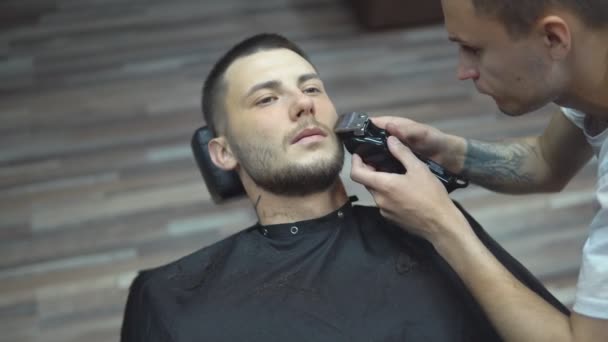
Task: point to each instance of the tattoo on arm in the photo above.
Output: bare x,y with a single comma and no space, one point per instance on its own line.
501,167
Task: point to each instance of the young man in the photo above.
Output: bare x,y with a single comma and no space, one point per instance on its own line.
524,54
315,268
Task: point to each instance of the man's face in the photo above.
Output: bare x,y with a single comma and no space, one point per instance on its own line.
517,73
280,123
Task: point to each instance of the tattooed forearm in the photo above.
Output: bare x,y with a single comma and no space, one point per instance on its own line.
501,167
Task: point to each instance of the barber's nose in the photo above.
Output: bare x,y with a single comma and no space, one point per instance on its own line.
467,71
304,105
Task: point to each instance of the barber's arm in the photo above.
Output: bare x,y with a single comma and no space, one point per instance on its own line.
418,202
535,164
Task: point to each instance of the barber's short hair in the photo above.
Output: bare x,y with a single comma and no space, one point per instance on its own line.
214,86
519,16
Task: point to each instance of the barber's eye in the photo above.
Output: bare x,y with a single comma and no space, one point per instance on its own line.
471,50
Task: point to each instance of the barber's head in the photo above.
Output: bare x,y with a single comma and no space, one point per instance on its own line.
522,52
272,117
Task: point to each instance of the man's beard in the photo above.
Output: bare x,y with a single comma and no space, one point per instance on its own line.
259,161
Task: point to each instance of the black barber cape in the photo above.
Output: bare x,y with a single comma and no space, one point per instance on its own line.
347,276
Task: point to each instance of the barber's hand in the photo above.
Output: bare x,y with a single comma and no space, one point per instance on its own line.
444,149
416,200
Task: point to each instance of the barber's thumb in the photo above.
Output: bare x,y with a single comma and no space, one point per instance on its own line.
400,151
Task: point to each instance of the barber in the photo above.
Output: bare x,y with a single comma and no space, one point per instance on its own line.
524,54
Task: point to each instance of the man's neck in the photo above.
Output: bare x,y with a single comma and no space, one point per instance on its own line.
589,89
277,209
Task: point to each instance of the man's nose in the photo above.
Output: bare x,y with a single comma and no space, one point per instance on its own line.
304,105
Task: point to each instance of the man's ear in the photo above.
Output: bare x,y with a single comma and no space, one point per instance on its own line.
221,154
556,36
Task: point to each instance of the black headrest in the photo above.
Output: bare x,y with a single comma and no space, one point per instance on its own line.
222,185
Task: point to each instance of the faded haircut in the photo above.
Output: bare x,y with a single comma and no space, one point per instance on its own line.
519,16
215,86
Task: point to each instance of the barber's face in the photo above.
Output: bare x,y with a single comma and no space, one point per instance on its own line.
280,123
517,73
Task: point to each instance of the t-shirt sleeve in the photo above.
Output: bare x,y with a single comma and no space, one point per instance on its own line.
141,321
592,287
575,116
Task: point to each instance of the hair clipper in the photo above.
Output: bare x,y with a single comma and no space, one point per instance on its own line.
362,137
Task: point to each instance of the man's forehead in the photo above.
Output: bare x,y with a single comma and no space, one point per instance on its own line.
267,65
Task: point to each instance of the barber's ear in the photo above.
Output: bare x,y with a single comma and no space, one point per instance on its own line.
557,36
221,154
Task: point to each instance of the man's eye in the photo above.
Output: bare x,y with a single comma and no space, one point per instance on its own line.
265,100
312,90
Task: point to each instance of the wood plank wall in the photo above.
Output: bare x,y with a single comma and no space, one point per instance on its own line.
99,98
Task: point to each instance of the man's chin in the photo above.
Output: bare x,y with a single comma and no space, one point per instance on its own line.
321,154
304,177
299,181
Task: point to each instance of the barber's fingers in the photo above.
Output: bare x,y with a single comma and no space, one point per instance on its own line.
402,153
408,131
363,164
398,123
394,125
381,121
364,174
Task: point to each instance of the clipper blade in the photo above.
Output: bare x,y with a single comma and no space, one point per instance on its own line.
354,122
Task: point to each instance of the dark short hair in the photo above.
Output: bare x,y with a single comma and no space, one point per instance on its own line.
214,86
519,16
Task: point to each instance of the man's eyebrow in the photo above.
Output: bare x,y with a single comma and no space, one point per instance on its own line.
306,77
273,84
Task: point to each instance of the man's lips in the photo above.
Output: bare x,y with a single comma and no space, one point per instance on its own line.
308,132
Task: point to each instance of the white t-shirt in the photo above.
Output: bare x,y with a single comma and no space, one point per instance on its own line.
592,287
